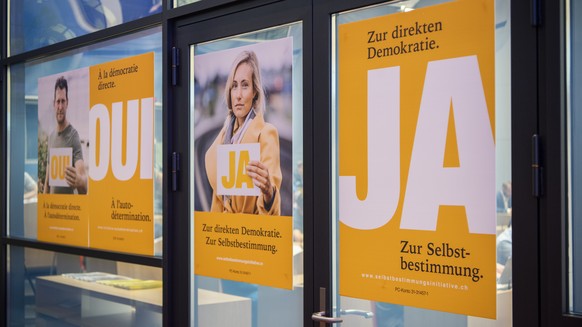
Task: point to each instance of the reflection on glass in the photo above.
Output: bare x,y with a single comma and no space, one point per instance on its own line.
282,84
24,142
366,313
178,3
35,24
574,114
57,289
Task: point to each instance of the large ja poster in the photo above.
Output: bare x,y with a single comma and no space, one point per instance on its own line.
417,158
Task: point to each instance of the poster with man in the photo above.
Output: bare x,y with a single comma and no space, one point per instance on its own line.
96,140
63,144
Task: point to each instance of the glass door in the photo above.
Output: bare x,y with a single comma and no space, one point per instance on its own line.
393,265
560,219
242,87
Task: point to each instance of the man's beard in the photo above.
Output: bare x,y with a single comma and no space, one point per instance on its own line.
61,118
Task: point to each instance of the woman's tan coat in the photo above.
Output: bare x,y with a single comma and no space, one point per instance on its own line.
258,132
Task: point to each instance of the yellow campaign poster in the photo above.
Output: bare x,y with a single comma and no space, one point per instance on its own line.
244,247
63,219
121,174
243,224
417,158
63,158
96,156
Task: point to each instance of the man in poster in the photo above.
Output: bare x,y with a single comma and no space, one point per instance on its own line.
65,136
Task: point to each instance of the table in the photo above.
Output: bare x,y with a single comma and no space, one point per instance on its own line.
62,301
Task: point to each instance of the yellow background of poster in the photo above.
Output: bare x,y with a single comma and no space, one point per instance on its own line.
63,219
217,255
369,259
111,196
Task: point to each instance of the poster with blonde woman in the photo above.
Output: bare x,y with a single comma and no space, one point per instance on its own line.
243,96
243,156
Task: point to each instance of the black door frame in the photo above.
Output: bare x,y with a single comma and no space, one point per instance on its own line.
554,227
524,103
524,71
539,108
233,20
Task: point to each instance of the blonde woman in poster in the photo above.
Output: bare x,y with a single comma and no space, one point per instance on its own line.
245,123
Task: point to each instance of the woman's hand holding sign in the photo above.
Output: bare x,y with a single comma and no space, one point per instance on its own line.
260,176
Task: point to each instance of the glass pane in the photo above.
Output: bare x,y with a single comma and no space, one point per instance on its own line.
35,24
203,3
23,126
57,289
178,3
278,58
360,312
574,73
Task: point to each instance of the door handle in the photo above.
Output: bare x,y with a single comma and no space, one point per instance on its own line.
362,313
319,316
